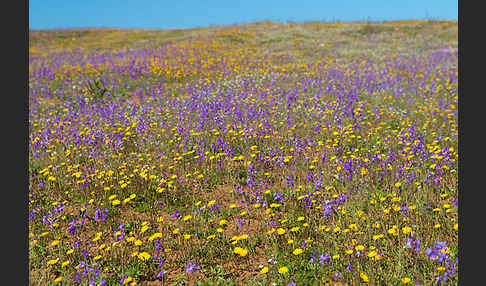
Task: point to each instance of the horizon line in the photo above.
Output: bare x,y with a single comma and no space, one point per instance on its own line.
243,23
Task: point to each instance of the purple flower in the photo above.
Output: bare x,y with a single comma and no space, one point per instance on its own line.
176,214
436,252
72,226
192,267
59,208
313,258
100,215
348,268
162,261
292,283
431,253
440,245
324,257
415,245
123,279
160,274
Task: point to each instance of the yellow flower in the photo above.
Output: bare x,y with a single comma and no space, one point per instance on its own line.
138,242
405,280
155,236
98,257
298,251
127,280
115,202
55,242
187,217
372,254
219,230
144,256
241,251
336,256
378,236
58,279
264,270
294,229
364,277
187,236
456,226
359,247
211,236
65,263
406,230
70,251
283,270
52,261
222,222
280,231
243,236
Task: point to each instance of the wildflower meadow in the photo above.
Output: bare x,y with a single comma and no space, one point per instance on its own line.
259,154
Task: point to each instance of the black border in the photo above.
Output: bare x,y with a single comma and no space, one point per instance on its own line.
471,119
460,140
15,118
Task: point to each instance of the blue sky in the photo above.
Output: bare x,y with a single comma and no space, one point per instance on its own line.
166,14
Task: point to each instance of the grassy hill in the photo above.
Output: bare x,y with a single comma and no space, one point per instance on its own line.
303,41
309,153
